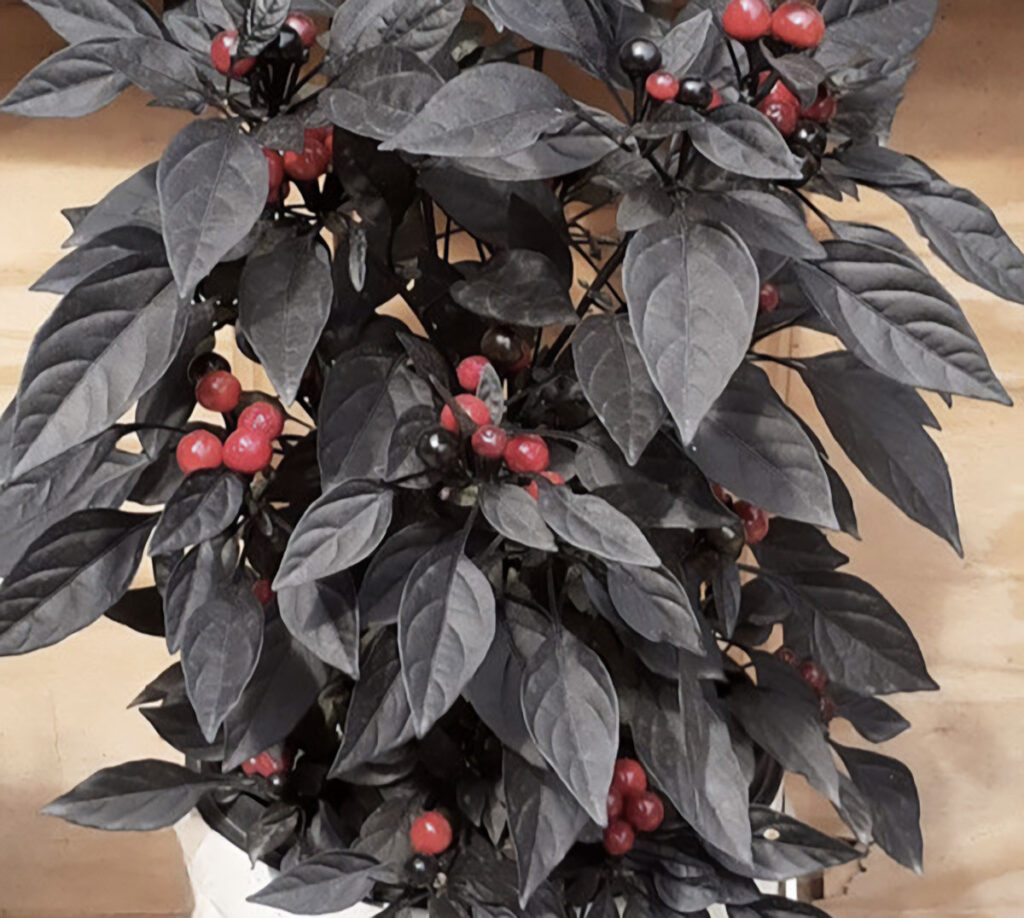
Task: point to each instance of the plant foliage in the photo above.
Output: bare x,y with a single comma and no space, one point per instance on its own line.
450,631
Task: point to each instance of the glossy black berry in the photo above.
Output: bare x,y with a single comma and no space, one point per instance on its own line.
288,46
727,540
809,166
695,92
639,58
206,363
422,868
439,449
809,135
502,347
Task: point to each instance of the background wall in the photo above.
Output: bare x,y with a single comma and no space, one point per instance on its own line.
62,710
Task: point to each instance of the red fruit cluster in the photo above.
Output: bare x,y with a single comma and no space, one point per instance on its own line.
796,22
431,834
306,166
269,763
248,448
222,55
783,108
523,454
632,808
816,678
747,20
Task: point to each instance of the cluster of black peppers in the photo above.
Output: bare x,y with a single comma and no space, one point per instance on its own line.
458,571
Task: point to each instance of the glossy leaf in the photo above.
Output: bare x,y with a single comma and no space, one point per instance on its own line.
514,514
785,848
89,20
212,184
879,424
753,446
891,795
284,298
194,580
378,92
592,524
135,797
220,644
323,883
338,531
323,616
572,713
490,110
520,287
261,25
692,294
445,627
204,505
544,821
101,348
742,140
684,744
615,381
891,29
161,69
899,320
69,577
380,592
133,202
655,605
762,220
422,28
75,81
964,232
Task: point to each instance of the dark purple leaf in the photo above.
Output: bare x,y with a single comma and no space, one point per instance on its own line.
204,505
284,298
572,713
328,882
655,605
515,515
337,531
323,616
785,848
88,20
420,26
135,797
212,184
69,577
446,624
692,291
380,592
741,140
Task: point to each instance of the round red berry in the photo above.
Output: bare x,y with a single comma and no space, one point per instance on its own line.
308,165
813,675
302,26
219,391
468,371
779,92
533,489
662,86
262,418
268,764
768,299
629,777
747,20
197,450
247,451
756,530
489,442
823,109
263,592
799,24
616,804
222,51
478,412
527,453
787,656
783,116
619,838
645,812
275,170
431,834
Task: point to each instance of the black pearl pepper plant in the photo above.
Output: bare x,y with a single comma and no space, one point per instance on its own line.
520,606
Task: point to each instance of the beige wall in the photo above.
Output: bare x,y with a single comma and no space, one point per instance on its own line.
62,710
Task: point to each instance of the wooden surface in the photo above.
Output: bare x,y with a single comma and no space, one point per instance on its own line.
62,710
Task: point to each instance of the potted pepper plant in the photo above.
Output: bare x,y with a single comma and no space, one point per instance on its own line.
517,596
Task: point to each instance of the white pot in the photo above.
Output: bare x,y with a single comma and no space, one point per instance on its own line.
222,878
